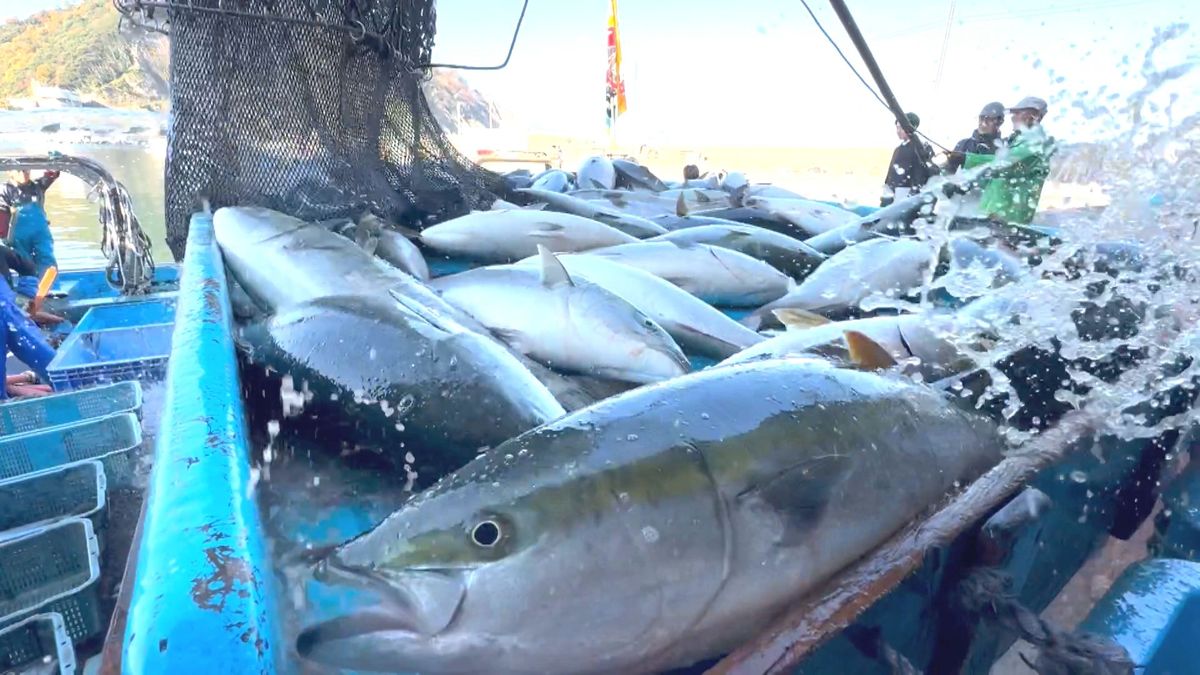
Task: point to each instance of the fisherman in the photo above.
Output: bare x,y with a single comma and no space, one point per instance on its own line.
981,144
21,336
1012,192
907,172
29,228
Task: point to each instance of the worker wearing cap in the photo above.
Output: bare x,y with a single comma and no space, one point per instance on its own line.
1013,190
980,146
907,172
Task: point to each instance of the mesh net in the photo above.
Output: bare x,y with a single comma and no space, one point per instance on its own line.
310,107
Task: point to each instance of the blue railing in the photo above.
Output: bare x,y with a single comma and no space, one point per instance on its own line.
203,599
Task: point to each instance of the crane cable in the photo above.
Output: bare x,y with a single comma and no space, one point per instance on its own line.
857,74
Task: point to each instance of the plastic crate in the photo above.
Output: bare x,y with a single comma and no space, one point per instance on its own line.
74,490
128,315
115,355
38,642
108,439
54,569
36,414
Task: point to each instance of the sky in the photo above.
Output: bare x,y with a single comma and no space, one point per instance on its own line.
759,73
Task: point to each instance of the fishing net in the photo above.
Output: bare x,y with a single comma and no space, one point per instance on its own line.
310,107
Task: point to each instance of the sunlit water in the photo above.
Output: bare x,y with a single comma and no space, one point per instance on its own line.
127,143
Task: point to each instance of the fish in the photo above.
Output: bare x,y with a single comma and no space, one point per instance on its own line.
632,225
786,254
652,530
554,180
895,218
632,175
694,324
756,217
718,276
974,270
397,250
923,338
812,217
878,266
596,172
505,236
395,372
357,333
568,324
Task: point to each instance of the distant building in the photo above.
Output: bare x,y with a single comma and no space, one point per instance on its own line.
43,96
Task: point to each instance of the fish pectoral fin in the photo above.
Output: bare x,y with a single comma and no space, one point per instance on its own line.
798,319
553,272
540,206
799,495
867,354
512,338
547,231
681,208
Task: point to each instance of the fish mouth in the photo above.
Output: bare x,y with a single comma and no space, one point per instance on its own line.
416,605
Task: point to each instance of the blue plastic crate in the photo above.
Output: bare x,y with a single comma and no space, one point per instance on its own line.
75,490
38,642
115,355
108,439
128,315
37,414
54,569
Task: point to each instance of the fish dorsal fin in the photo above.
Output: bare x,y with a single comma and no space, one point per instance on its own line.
867,354
682,243
540,206
702,198
553,272
799,319
681,208
799,495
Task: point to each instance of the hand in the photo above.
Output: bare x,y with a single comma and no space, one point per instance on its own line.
950,189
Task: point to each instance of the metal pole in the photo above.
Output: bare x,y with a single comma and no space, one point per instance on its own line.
884,90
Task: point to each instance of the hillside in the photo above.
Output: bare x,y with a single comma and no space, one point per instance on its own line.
79,49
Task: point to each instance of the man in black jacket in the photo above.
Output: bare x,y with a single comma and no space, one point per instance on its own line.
906,172
983,140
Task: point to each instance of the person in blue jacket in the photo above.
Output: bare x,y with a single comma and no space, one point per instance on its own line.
22,337
29,228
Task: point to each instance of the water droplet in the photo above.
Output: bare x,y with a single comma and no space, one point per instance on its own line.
631,437
649,534
1079,476
408,457
703,415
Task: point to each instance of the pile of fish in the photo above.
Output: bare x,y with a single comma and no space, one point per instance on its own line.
599,507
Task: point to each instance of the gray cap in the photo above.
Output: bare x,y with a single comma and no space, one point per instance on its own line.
993,109
1031,103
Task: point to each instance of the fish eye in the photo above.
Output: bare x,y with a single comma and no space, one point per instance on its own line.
486,534
648,323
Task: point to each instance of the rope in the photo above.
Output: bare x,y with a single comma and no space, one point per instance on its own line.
858,75
986,593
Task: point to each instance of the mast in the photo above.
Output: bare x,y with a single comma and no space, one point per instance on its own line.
614,85
885,91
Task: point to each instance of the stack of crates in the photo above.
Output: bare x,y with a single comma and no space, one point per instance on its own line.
38,643
59,456
116,343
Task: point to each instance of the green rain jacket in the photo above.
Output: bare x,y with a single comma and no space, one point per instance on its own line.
1015,187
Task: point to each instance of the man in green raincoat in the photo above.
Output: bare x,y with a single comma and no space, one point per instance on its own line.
1013,190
